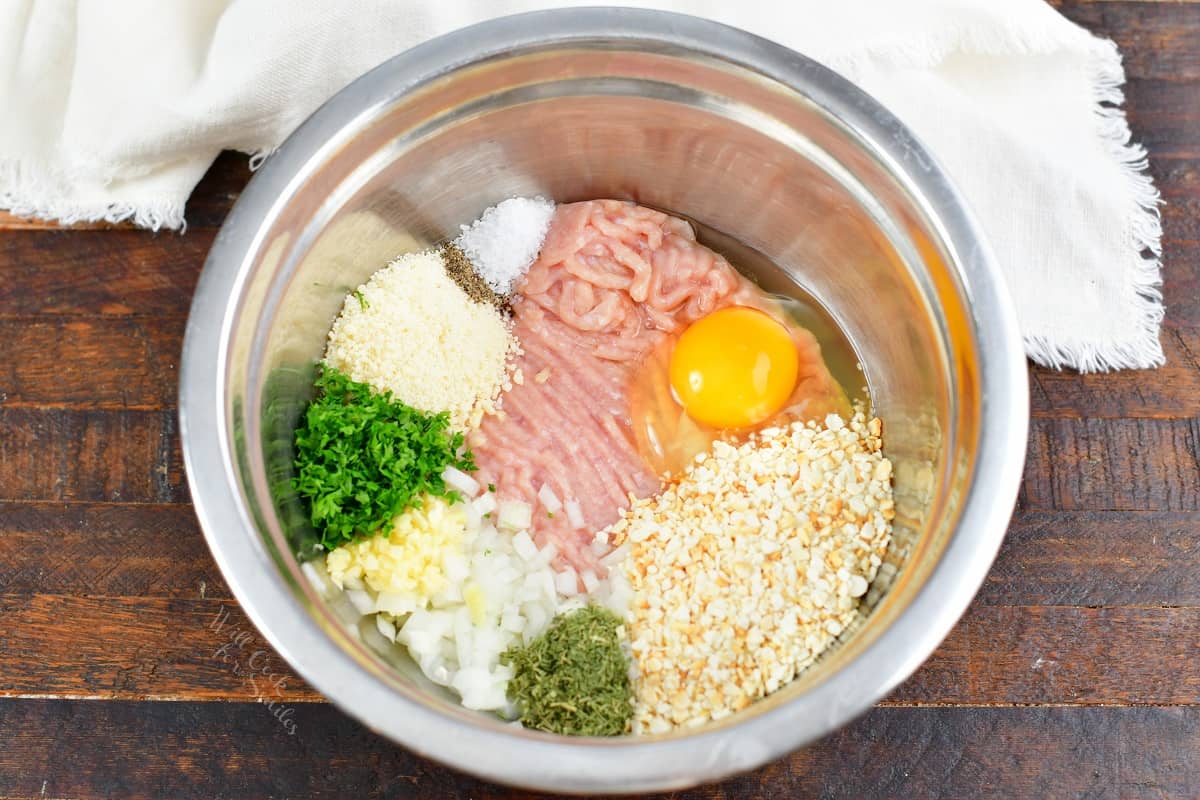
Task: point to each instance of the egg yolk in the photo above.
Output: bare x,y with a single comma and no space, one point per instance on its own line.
734,368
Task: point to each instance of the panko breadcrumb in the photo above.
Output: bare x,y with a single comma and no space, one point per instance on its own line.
751,565
412,330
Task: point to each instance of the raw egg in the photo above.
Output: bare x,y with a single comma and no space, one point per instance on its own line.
734,368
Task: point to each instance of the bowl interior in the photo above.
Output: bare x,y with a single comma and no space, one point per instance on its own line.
835,210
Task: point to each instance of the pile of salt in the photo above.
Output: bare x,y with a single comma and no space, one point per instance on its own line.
503,243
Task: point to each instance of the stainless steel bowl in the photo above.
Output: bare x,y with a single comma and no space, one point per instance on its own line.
675,112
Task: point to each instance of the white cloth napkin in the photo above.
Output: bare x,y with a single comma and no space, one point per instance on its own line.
113,111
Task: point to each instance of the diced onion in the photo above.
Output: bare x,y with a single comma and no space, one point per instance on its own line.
545,555
515,515
512,621
361,600
524,546
590,581
616,557
316,576
567,582
536,619
549,585
344,609
371,635
393,603
449,596
457,569
474,517
549,499
574,514
485,503
619,600
386,627
572,604
479,689
457,479
619,597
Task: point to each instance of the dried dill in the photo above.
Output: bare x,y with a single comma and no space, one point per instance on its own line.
574,679
460,270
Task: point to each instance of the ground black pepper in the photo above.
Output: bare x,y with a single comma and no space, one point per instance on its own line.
462,271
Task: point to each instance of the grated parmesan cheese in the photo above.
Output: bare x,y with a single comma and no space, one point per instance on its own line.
412,330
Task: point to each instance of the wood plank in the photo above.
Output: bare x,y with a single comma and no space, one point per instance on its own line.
134,648
1112,464
12,222
100,273
994,753
1085,656
131,363
66,288
205,750
1178,179
1163,116
106,550
1157,40
1097,558
121,363
217,191
1064,558
1073,464
96,455
1059,559
1181,285
137,648
133,272
1151,3
1169,392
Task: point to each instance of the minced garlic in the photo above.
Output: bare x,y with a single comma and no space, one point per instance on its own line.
409,563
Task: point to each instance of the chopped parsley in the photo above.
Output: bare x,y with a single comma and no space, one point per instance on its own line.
362,457
362,301
574,679
491,487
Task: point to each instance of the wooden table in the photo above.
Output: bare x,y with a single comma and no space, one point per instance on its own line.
124,660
